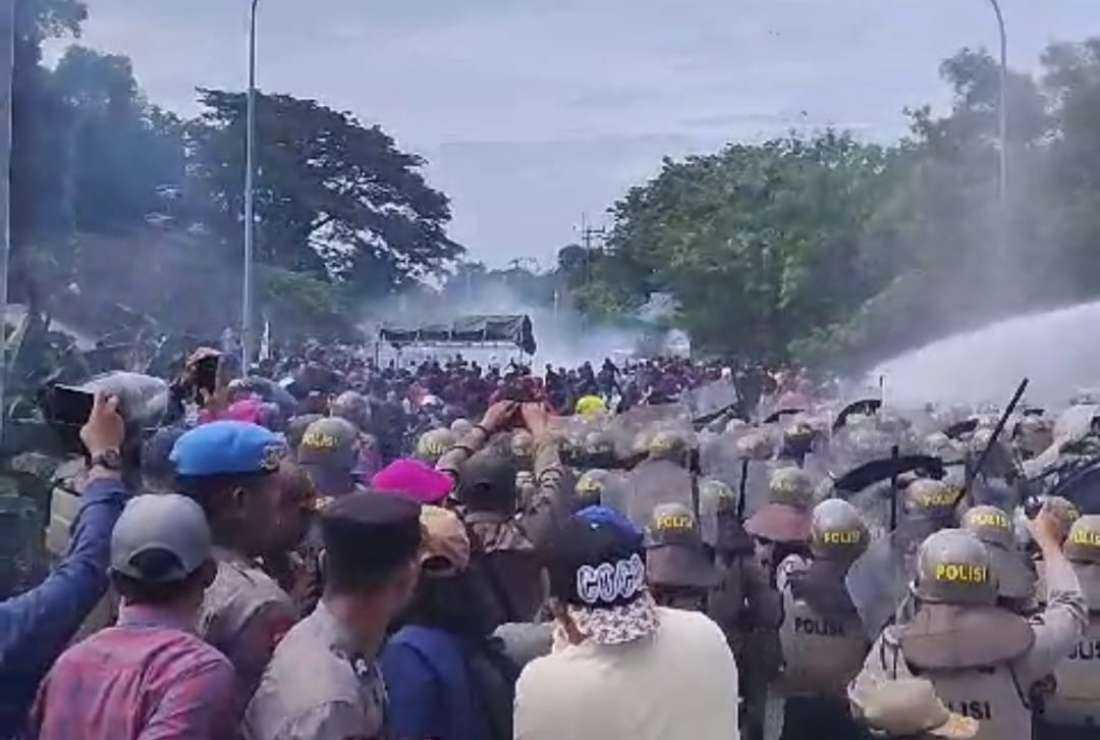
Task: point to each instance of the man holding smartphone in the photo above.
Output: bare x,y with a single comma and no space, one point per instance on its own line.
36,626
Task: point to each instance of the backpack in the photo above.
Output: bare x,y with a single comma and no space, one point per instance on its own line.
493,676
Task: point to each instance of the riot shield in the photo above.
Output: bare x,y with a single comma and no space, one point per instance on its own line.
630,431
710,399
615,493
654,482
879,579
1075,422
719,458
877,583
1082,488
758,475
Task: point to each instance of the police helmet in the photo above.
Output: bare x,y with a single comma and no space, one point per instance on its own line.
954,567
791,486
837,531
432,444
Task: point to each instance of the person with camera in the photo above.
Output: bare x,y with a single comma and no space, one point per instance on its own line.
508,545
37,625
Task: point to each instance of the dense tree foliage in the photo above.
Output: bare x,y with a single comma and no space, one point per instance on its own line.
839,252
333,197
105,182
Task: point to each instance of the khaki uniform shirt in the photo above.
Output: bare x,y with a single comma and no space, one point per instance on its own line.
319,686
997,695
244,614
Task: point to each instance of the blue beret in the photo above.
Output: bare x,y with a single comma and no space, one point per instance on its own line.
227,448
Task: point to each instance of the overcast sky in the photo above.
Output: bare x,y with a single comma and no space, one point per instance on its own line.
531,112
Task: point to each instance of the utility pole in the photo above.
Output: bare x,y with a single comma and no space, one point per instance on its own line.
249,219
7,72
587,234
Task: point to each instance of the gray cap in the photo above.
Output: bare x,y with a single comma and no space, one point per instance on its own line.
170,525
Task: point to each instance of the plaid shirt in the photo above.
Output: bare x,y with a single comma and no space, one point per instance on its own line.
147,678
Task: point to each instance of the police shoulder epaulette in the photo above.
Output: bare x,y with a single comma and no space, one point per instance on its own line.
892,635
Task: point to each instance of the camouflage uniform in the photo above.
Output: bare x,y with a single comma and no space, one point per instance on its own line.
508,546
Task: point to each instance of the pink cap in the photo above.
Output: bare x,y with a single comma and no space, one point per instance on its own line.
413,479
247,409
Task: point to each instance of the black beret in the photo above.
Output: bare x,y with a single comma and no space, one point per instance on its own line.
375,529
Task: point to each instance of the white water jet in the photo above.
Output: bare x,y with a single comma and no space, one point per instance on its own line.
1058,350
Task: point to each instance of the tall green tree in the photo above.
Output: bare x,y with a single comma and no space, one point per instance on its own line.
41,212
125,154
757,242
334,197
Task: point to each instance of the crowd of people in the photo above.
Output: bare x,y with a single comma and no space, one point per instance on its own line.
333,548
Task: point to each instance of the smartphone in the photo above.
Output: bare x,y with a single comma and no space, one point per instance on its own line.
67,410
67,405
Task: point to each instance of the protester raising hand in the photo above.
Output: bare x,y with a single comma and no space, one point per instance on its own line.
498,416
105,430
36,626
536,418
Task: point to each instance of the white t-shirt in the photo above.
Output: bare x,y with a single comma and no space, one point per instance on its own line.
679,683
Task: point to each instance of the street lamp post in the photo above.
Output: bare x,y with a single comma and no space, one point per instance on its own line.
249,220
7,72
1003,132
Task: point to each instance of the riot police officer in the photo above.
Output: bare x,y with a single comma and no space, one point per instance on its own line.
821,635
779,528
1073,711
679,571
1015,574
982,659
668,445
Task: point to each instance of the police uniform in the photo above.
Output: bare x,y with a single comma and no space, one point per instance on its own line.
723,532
1015,574
323,681
781,528
822,638
320,685
1074,708
983,660
679,570
244,612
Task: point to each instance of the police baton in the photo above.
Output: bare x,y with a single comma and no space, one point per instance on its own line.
973,474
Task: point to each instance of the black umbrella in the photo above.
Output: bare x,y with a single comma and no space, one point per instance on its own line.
957,430
866,407
781,413
887,468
